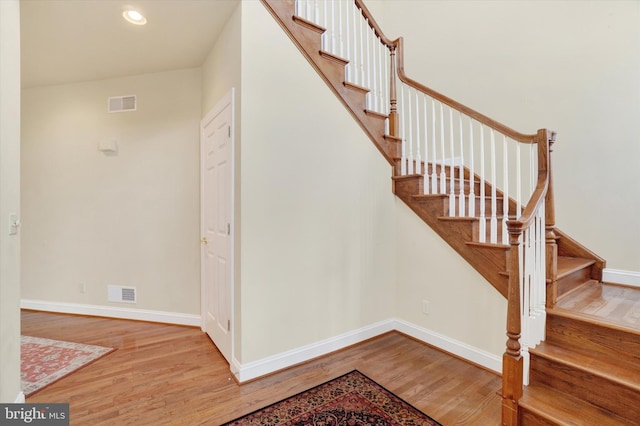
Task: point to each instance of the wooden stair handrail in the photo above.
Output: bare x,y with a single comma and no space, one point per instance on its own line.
374,25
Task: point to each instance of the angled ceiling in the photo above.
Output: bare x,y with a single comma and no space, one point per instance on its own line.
65,41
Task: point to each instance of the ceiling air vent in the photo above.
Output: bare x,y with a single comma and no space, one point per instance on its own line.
122,103
117,293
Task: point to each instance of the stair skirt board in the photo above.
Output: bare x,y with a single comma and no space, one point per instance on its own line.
256,369
616,276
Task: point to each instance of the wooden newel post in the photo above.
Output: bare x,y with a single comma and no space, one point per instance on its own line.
512,362
550,223
393,101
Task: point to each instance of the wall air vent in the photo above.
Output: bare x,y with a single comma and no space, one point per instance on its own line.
117,293
122,103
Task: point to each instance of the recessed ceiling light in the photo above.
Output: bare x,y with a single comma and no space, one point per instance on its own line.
134,17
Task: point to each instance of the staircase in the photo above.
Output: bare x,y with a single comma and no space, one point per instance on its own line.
587,370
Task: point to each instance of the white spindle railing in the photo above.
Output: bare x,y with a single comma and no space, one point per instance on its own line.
452,154
532,279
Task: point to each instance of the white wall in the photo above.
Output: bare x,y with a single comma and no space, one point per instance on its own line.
127,219
565,65
318,237
9,200
463,306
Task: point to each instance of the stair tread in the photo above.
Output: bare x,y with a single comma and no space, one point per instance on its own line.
612,304
564,409
613,369
568,265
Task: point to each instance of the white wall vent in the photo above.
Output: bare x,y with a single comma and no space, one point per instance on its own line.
118,293
122,103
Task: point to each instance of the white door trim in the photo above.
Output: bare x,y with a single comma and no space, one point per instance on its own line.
227,99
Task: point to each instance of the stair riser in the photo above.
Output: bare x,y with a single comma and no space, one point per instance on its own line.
573,280
438,168
447,188
594,389
499,231
528,418
593,338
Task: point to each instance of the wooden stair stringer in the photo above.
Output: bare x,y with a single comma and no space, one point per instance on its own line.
489,260
307,37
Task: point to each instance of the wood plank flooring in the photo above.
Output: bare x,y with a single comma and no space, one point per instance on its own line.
172,375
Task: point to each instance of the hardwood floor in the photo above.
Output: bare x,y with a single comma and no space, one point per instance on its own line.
173,375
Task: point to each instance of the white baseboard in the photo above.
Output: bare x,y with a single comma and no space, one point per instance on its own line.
112,312
255,369
452,346
20,399
616,276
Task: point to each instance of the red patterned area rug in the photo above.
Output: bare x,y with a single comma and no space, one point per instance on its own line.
352,399
44,361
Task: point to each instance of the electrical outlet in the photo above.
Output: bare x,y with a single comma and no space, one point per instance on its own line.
83,288
426,308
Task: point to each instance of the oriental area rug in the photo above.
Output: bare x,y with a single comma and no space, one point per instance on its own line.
44,361
352,399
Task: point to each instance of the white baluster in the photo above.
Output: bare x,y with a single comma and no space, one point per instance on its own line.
452,168
403,159
410,139
373,94
505,190
462,207
472,160
349,37
494,220
333,27
316,12
418,153
531,167
482,228
385,81
443,180
526,293
427,182
381,62
340,30
434,176
518,182
418,168
368,61
542,277
325,34
362,47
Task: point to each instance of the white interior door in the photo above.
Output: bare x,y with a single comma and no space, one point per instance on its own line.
216,203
